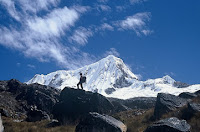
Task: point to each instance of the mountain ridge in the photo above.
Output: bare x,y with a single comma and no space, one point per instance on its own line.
112,78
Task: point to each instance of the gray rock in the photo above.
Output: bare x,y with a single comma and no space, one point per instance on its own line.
74,104
181,84
109,90
191,110
197,93
169,125
16,98
5,112
187,95
53,123
194,107
95,122
166,103
36,115
1,125
135,103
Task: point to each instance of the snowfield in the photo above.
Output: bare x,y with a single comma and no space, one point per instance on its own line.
112,78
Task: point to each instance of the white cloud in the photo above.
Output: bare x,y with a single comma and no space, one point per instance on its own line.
54,23
37,5
31,66
28,6
137,22
147,32
106,26
10,6
112,51
40,37
136,1
81,36
103,8
102,1
120,8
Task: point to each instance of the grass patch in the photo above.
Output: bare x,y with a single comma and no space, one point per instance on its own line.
135,122
40,126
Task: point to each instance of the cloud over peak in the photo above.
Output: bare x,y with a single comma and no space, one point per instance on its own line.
137,22
49,31
81,36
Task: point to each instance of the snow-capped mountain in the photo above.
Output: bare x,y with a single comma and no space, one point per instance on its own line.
112,78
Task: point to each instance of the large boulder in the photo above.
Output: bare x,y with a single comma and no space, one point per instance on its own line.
194,107
187,95
44,97
140,102
191,110
74,103
197,93
134,103
1,125
22,96
95,122
34,115
166,103
169,125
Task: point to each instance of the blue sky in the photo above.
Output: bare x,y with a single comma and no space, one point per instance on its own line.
155,38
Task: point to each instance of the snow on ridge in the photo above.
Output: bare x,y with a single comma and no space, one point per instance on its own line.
112,78
108,72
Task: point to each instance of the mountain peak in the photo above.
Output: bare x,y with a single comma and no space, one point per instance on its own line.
109,72
112,78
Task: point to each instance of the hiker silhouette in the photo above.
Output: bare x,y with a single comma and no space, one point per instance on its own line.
82,80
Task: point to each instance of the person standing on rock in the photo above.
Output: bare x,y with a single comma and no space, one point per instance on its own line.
82,80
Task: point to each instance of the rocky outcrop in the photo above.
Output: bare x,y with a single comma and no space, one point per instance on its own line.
180,84
187,95
53,123
1,125
197,93
44,97
34,115
169,125
166,103
109,90
74,103
95,122
22,96
134,103
140,102
191,110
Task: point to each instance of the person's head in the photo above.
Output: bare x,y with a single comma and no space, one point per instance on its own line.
80,74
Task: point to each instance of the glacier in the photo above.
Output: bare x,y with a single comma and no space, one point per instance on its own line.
112,78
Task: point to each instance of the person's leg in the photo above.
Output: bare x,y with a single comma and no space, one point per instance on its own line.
81,85
78,85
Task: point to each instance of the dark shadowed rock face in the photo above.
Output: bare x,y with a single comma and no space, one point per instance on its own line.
95,122
22,96
140,102
191,110
181,84
166,103
197,93
1,125
187,95
44,97
34,115
109,90
194,107
134,103
73,104
169,125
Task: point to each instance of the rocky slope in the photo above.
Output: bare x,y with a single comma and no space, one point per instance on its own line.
36,102
17,99
112,78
